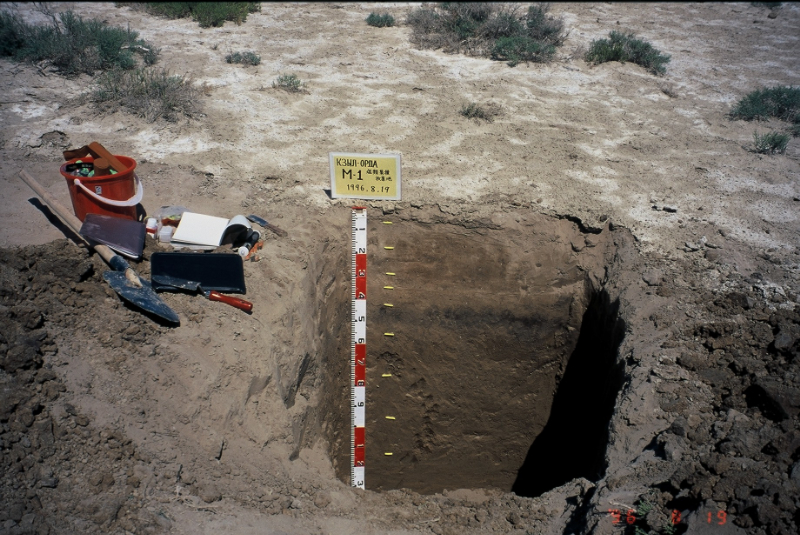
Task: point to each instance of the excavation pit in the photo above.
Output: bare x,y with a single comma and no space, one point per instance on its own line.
491,356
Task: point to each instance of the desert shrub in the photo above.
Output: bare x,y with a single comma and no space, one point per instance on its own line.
503,25
380,21
625,47
489,30
245,58
170,10
148,92
207,14
543,28
473,110
72,44
425,23
771,142
288,82
12,34
516,49
779,102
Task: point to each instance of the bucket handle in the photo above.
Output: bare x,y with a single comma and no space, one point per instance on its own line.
133,201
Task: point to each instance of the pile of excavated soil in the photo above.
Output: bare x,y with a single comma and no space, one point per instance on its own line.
61,472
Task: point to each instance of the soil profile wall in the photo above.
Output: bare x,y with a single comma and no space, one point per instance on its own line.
485,321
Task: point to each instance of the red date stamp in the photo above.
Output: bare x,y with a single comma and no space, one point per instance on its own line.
623,517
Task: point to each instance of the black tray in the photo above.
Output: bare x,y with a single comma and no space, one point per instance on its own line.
214,271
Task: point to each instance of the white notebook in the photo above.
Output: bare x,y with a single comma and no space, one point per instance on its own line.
200,231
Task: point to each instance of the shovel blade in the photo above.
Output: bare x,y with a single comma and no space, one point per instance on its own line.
144,298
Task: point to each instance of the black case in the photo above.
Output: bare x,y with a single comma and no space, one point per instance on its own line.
123,235
214,271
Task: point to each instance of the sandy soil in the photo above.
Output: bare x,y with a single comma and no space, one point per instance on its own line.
234,422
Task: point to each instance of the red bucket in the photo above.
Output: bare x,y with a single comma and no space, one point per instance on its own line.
115,195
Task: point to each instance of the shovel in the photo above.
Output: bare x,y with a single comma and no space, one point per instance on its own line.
123,279
211,295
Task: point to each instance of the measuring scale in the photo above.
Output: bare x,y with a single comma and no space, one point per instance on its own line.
358,346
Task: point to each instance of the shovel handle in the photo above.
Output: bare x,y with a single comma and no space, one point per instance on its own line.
241,304
72,222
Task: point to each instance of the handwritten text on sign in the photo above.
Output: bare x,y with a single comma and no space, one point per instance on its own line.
365,176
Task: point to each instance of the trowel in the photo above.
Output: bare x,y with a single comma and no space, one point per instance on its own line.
211,295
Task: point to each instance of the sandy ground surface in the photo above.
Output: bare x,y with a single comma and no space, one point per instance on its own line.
226,423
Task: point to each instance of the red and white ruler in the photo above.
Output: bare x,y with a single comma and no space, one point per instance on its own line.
358,350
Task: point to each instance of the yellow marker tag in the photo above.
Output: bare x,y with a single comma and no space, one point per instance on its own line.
390,417
389,248
386,375
388,305
387,222
388,334
388,454
390,273
365,176
388,287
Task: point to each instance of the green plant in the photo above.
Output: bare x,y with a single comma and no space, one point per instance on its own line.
503,25
288,82
516,49
170,10
669,529
643,508
475,111
245,58
207,14
12,33
543,28
489,30
380,21
425,22
781,102
72,44
148,92
625,47
770,143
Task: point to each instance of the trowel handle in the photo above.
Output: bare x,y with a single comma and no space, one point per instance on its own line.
241,304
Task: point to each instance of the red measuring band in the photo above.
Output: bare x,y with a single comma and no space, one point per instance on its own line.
358,355
361,276
360,376
359,446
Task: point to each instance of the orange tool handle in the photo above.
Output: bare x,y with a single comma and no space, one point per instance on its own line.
241,304
101,152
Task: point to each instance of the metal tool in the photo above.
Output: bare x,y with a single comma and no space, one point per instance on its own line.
211,295
123,279
263,222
